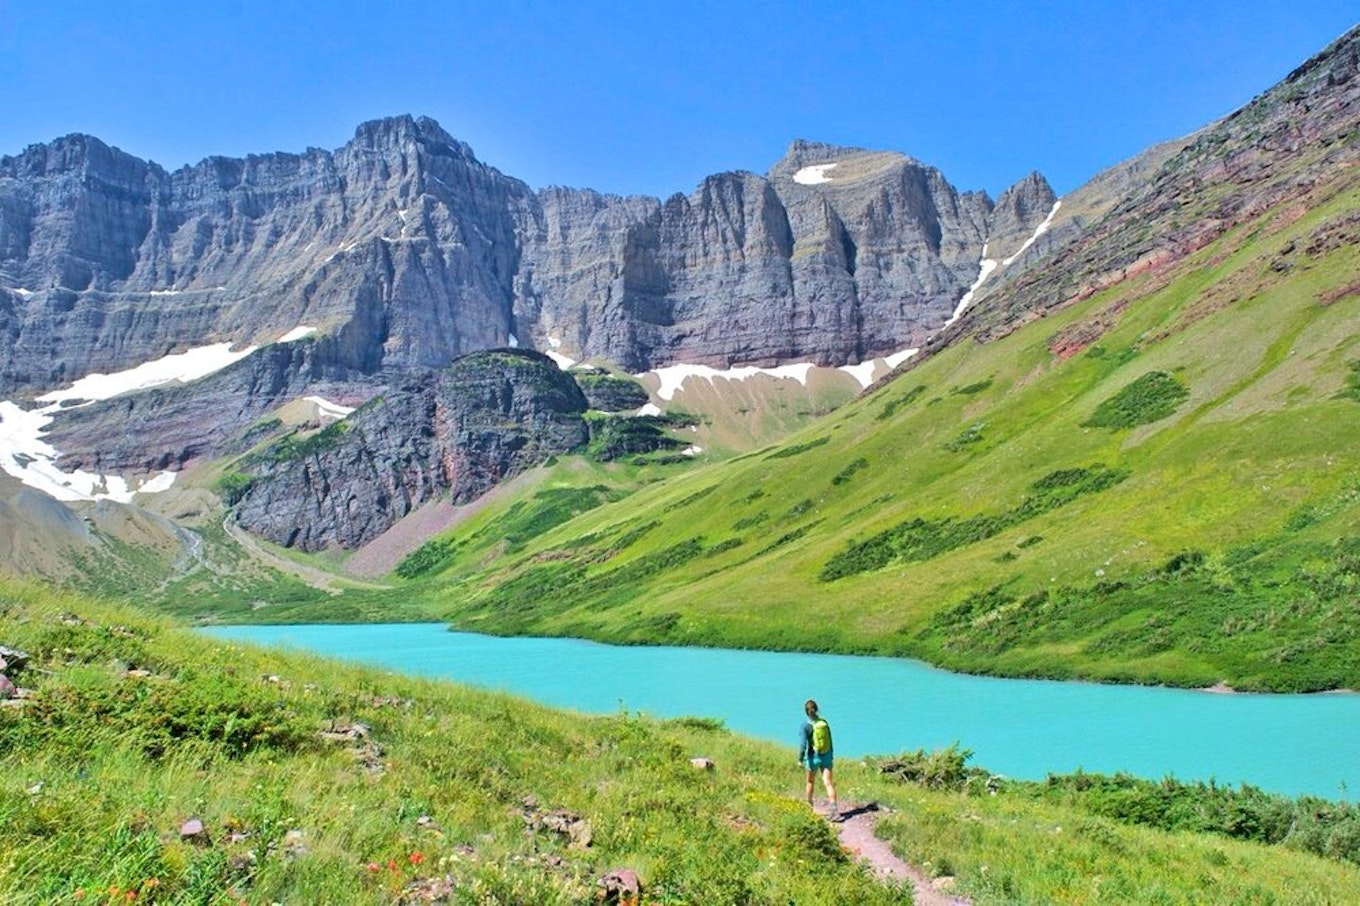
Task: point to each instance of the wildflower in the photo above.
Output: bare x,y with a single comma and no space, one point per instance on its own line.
374,866
417,857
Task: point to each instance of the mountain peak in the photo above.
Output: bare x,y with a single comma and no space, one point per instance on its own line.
406,129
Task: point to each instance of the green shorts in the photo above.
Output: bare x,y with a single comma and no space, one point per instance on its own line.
817,762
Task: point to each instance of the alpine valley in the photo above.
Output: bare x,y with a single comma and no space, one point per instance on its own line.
839,406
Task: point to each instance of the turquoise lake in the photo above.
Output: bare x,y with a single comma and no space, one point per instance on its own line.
1290,744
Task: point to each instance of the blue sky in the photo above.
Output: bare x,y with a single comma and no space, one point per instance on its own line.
643,97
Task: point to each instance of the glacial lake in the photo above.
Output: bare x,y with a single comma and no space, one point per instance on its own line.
1291,744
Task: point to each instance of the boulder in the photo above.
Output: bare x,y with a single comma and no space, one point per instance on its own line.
621,886
12,660
559,821
192,830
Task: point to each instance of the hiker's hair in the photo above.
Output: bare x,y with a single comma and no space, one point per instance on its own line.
810,707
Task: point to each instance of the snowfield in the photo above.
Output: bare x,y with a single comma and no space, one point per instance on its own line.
815,174
27,457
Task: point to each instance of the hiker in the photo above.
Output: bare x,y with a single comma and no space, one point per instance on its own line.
814,753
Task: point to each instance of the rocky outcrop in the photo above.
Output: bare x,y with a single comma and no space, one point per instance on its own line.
611,393
1018,211
449,433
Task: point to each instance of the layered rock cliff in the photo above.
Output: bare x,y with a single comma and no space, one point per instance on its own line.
451,433
405,251
400,246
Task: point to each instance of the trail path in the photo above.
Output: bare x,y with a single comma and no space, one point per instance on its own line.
857,835
314,577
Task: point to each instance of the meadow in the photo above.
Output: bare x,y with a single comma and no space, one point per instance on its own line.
146,763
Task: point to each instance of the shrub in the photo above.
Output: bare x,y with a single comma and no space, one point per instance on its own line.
1150,398
1352,389
794,450
232,486
849,471
430,557
898,402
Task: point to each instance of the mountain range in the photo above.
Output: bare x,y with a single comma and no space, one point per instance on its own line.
1161,364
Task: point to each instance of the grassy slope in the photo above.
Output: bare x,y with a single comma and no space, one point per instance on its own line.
1262,437
103,766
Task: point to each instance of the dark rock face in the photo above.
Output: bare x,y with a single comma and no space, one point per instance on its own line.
405,252
608,393
453,432
1018,211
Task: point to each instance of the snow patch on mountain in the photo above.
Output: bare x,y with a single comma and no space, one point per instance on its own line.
297,333
674,376
988,266
1038,231
815,174
325,409
27,457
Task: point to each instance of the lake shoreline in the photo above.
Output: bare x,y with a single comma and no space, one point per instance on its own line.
1222,687
1021,728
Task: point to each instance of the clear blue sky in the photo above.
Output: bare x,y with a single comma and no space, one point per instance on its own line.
649,97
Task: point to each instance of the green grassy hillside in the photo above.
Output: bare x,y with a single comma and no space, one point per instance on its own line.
145,764
1158,482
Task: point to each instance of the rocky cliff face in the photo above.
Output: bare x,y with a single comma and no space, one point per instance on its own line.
836,255
405,252
448,433
400,246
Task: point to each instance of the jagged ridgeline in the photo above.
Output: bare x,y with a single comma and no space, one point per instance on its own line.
1132,460
404,250
401,252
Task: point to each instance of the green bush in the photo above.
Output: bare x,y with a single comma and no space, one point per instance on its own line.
849,471
430,557
785,452
232,486
1324,828
1352,389
1150,398
906,399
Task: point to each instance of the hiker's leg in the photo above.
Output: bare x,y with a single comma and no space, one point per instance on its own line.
830,785
811,779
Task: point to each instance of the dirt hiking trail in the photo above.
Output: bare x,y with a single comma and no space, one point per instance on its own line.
856,832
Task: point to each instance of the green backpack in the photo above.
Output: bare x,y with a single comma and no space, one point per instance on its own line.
821,736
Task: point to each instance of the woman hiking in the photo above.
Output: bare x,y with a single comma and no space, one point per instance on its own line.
814,753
